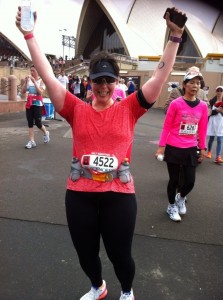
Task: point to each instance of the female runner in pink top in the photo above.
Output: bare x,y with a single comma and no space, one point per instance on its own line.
185,124
100,197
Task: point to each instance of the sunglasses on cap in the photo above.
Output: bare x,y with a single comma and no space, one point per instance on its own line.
219,90
194,73
104,80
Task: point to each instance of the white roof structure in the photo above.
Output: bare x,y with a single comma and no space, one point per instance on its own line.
139,25
142,29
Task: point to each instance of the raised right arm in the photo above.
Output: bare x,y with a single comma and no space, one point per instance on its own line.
55,90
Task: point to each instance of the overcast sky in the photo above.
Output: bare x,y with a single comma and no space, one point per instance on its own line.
53,16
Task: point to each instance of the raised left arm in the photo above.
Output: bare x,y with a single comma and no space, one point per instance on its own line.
152,88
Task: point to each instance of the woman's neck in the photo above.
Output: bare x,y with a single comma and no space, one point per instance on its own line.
189,97
99,106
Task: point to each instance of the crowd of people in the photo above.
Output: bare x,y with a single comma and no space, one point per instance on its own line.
14,61
100,185
82,87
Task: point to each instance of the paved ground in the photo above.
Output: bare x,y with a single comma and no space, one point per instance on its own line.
174,261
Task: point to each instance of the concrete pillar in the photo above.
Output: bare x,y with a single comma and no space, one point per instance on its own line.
12,88
4,86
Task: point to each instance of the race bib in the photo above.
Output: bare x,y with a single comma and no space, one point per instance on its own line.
102,163
188,129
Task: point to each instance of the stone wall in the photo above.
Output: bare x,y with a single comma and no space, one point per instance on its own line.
12,106
7,104
20,73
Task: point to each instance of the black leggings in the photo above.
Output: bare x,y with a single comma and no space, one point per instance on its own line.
108,215
181,179
34,113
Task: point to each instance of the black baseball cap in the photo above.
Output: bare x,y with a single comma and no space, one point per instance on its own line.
103,68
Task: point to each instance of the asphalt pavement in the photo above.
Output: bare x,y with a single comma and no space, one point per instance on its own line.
174,261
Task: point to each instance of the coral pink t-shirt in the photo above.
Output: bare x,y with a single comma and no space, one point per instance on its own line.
110,131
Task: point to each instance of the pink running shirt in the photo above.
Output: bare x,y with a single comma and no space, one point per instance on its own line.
180,113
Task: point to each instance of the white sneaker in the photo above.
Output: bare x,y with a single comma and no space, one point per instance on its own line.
96,294
30,144
127,296
173,213
180,202
46,137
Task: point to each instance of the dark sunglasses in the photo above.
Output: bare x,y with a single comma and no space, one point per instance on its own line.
104,80
219,90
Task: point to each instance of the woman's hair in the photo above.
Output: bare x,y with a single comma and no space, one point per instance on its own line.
77,79
104,56
202,84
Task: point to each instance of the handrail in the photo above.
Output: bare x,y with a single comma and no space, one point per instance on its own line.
19,88
4,89
197,59
78,66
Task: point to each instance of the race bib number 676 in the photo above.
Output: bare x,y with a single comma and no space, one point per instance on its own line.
188,129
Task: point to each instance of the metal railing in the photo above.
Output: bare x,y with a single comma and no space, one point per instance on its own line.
190,59
78,68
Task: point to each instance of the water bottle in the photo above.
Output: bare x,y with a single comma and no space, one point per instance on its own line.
160,157
75,170
27,17
124,171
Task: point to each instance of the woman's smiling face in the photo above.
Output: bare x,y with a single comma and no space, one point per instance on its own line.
103,87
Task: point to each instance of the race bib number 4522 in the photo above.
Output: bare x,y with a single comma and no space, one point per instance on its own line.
100,163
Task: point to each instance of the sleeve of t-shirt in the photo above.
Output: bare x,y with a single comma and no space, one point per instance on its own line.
202,128
123,94
167,125
67,112
134,106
